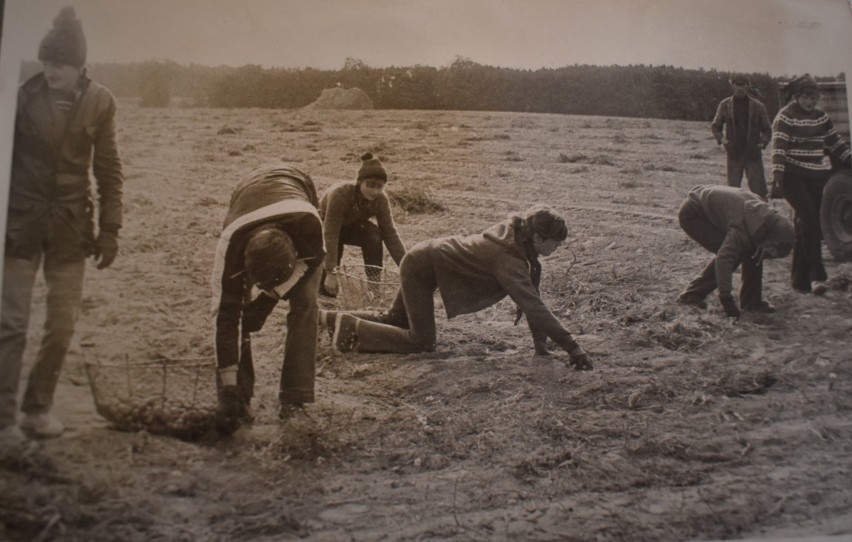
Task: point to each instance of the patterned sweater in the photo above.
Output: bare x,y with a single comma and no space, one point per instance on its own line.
799,141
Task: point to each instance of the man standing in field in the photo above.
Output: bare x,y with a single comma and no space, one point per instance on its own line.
271,249
739,228
747,131
64,125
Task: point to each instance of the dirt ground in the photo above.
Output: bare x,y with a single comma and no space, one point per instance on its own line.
690,426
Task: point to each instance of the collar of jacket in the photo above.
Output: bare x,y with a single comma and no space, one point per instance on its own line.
38,83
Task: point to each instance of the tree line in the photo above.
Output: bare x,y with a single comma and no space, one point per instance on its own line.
646,91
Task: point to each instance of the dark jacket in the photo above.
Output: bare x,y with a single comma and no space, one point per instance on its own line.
342,204
477,271
50,199
749,222
278,194
759,129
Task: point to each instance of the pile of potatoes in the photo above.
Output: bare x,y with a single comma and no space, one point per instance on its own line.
160,416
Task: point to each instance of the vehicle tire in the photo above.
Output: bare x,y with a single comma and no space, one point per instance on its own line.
836,215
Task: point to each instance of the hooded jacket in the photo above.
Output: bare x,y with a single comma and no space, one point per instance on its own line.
748,223
477,271
50,200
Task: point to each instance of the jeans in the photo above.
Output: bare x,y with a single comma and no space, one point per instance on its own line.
409,325
366,235
298,371
753,169
805,197
64,282
696,226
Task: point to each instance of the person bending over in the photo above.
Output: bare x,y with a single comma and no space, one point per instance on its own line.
346,209
741,229
271,248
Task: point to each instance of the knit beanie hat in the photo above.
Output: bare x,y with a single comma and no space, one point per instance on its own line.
65,43
371,168
270,256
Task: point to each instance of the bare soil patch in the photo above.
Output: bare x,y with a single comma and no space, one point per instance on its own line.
690,426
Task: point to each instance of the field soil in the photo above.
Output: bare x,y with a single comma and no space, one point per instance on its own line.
691,426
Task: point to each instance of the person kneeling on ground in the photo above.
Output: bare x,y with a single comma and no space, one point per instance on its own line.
346,209
740,228
271,248
471,273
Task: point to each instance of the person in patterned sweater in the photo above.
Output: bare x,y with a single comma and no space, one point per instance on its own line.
802,134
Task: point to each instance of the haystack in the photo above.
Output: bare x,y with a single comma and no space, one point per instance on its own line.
339,98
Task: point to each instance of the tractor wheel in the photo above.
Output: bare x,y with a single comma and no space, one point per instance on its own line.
836,215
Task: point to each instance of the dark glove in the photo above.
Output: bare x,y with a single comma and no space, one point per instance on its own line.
730,307
106,248
229,413
776,191
580,360
256,311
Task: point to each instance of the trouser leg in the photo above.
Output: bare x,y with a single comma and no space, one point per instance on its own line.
751,294
805,197
366,235
735,171
701,230
245,368
18,279
418,298
755,175
300,348
64,295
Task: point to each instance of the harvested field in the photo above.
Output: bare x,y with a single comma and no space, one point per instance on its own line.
690,426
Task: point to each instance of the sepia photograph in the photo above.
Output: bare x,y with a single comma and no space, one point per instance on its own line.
439,270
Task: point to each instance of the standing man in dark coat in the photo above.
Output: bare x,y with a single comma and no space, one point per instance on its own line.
65,125
747,131
271,248
740,229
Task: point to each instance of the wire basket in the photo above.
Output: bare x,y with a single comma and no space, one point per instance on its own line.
366,287
170,396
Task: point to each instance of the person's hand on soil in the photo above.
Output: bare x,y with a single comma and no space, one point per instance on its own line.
541,348
580,360
229,412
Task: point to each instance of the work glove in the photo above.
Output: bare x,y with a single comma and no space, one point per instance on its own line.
580,360
730,307
229,412
256,311
106,248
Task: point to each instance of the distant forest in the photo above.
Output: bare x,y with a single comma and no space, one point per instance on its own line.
663,92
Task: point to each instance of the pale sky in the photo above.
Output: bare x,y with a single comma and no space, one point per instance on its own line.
780,37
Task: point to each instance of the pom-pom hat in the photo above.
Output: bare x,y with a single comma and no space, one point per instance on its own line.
65,42
371,168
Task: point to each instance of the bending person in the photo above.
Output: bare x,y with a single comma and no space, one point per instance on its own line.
270,249
739,228
471,273
346,209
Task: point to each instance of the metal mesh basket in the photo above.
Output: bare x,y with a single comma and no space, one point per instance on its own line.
164,396
366,287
